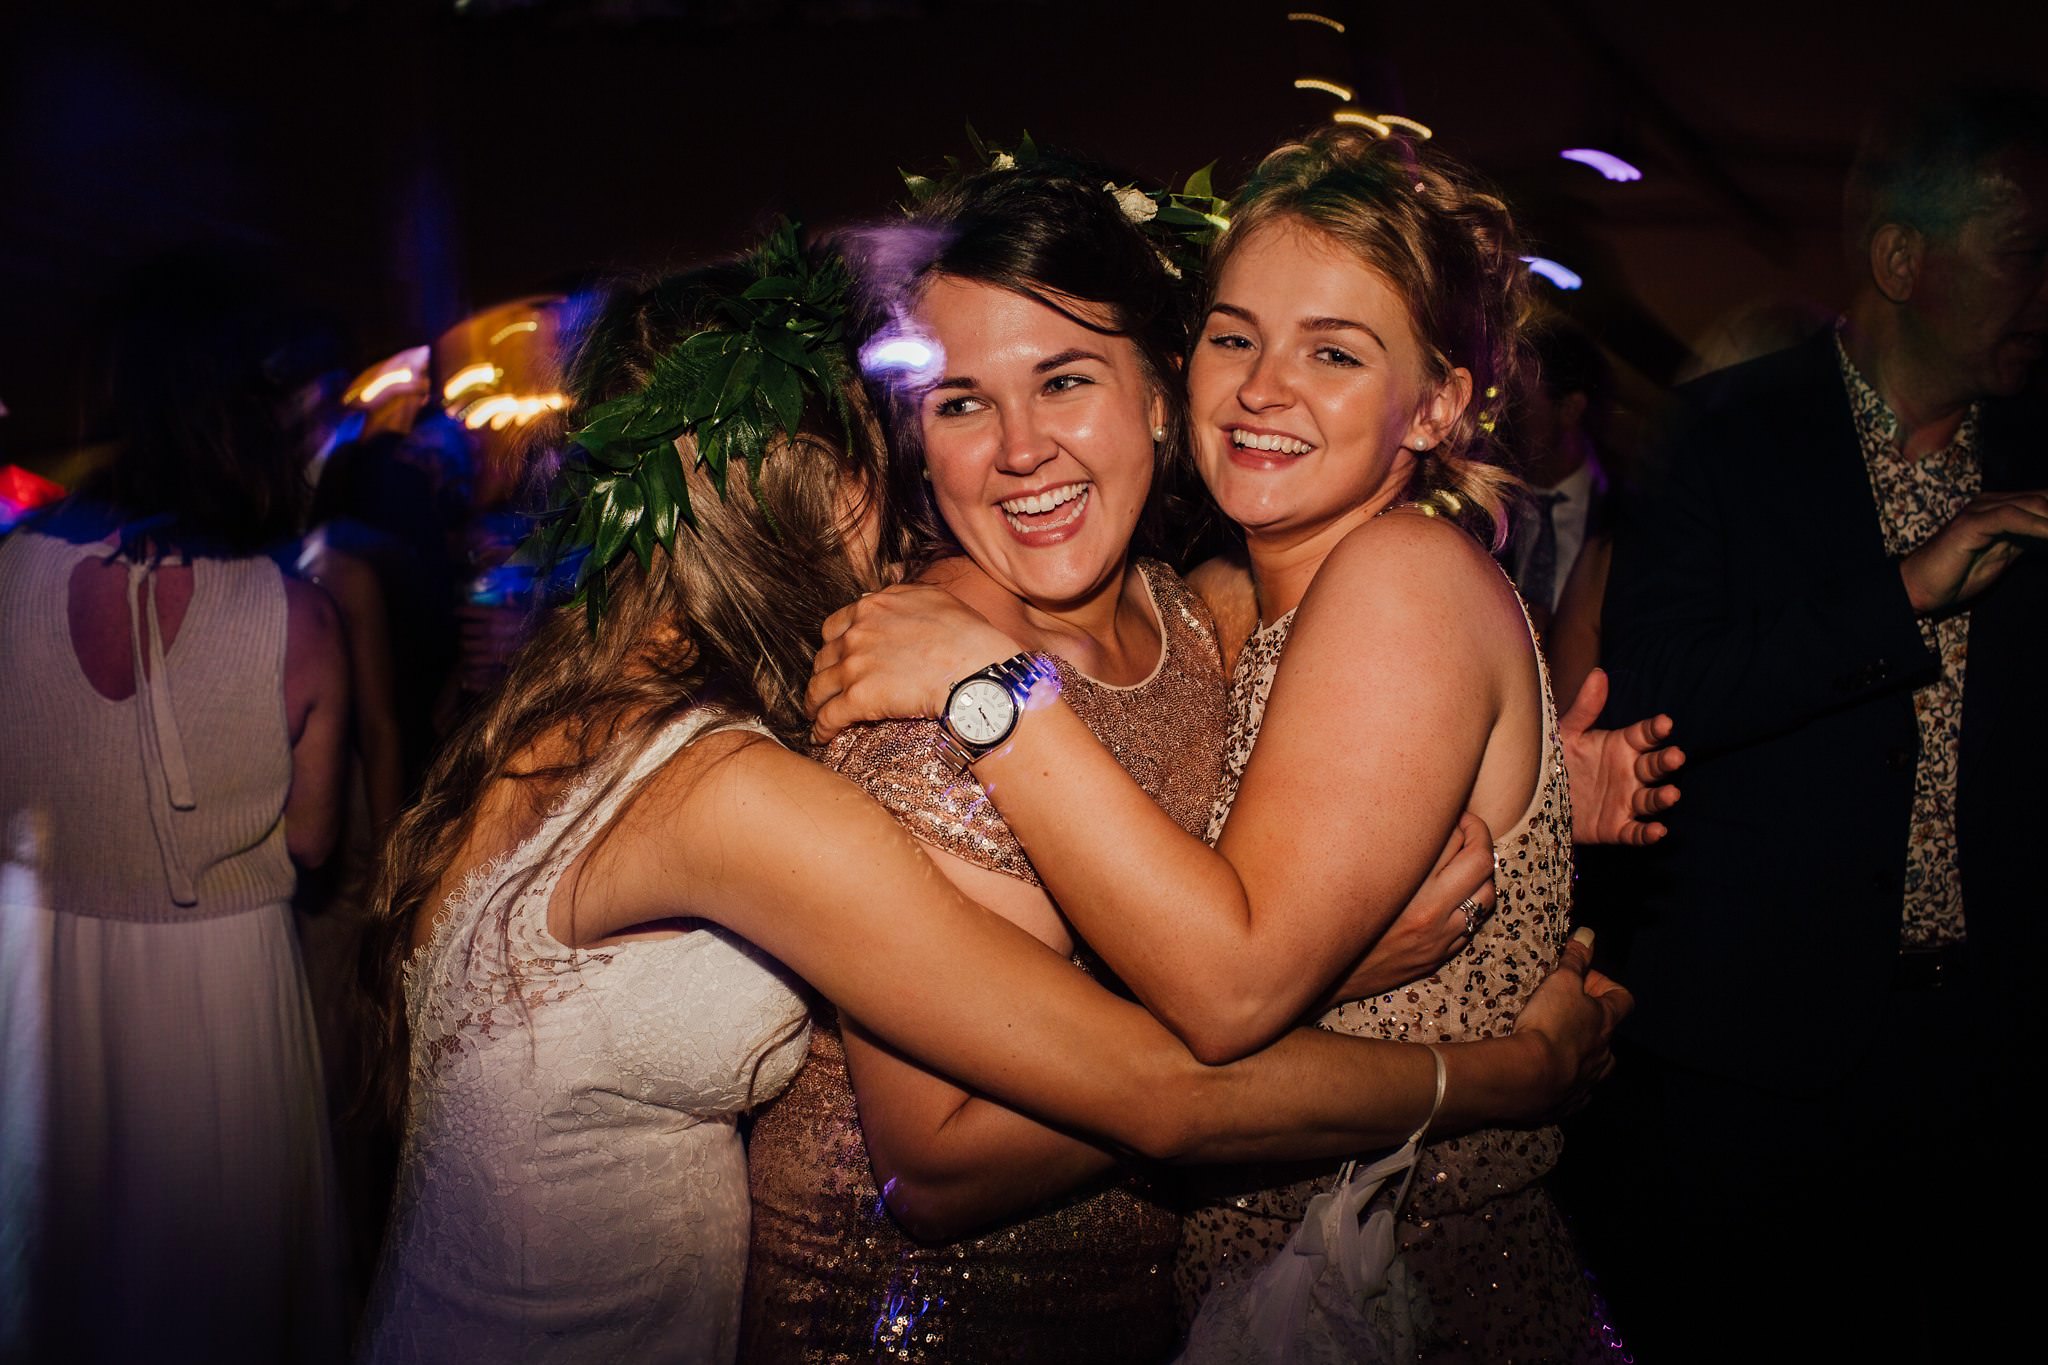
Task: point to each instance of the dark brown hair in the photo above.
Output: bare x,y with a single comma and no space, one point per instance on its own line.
1921,162
203,357
1053,233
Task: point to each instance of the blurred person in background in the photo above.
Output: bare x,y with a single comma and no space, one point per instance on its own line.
1835,583
171,748
1559,434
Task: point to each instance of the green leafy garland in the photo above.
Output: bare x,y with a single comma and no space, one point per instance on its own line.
1181,224
622,483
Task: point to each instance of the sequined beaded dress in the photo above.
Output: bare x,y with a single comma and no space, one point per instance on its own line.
1480,1234
831,1278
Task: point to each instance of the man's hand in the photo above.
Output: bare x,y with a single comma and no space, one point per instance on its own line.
1966,556
1620,778
1573,1015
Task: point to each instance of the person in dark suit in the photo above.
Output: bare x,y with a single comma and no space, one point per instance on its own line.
1559,436
1837,585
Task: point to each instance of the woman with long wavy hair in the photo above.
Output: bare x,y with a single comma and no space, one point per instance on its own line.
595,910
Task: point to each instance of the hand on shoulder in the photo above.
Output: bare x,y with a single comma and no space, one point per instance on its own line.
1225,586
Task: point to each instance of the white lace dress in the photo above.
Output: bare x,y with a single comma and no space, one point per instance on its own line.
573,1186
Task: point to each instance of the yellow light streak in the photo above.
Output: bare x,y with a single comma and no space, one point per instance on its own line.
503,410
1365,121
530,325
469,377
1302,16
1421,130
1327,87
390,379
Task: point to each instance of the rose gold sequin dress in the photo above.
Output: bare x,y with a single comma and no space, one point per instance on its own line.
831,1277
1480,1234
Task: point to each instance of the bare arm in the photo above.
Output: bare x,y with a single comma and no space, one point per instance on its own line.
802,863
353,585
1387,686
946,1161
949,1162
1230,947
316,708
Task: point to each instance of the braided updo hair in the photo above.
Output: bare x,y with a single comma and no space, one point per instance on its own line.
1449,248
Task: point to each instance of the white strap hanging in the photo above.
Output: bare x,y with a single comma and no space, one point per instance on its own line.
163,748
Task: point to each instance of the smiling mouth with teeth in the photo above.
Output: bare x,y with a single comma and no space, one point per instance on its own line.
1038,504
1279,445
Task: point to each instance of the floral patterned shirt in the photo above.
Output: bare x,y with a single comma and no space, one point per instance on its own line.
1915,499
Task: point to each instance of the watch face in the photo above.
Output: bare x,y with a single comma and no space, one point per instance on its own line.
981,711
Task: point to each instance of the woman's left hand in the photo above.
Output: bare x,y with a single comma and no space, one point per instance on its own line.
1439,920
896,654
1620,778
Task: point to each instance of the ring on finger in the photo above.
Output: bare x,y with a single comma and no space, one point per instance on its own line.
1473,914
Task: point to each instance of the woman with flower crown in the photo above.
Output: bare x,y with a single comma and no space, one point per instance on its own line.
582,908
1362,331
1028,457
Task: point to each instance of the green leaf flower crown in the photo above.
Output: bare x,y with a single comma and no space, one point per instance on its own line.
1180,224
622,484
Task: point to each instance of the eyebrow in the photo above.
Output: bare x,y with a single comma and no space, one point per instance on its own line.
1051,362
1320,324
1067,357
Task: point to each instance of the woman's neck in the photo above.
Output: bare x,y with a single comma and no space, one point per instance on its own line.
1284,563
1111,635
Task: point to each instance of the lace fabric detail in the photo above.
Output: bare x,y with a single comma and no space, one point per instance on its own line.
573,1185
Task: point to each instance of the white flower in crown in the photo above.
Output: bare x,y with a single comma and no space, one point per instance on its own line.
1136,204
1003,162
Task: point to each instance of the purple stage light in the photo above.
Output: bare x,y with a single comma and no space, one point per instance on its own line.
901,358
1607,163
1558,275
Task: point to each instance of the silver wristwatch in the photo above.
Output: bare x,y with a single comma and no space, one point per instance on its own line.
982,708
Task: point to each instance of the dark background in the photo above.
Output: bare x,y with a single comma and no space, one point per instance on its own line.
406,162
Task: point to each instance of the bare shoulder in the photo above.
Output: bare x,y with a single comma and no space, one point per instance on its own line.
315,649
1225,585
728,760
741,788
1407,562
350,580
764,839
310,614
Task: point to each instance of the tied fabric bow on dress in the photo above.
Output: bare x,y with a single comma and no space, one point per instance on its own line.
163,747
1296,1311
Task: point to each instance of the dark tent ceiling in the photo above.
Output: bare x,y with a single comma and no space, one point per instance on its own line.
402,162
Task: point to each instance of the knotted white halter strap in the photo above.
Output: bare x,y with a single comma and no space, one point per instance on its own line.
163,749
